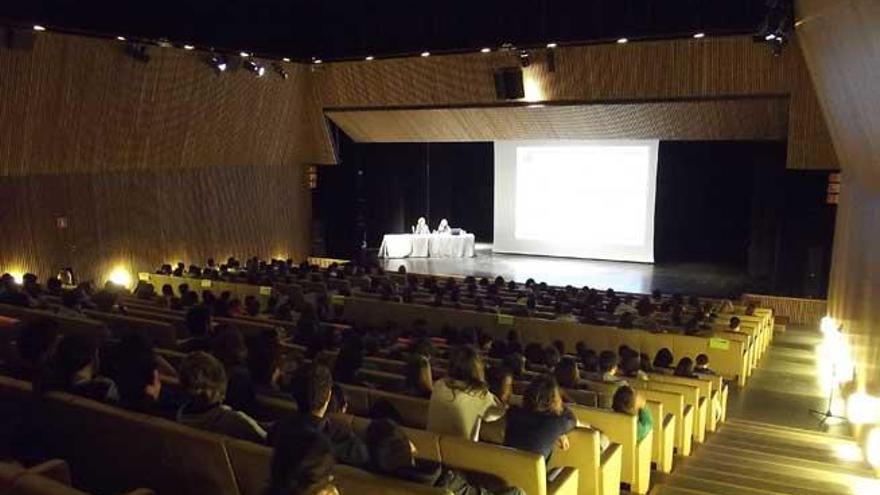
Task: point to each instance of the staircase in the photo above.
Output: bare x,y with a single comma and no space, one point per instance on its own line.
752,458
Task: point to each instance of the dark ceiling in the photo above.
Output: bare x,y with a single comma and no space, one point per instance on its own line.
344,29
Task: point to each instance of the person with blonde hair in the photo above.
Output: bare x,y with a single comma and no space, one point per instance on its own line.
462,400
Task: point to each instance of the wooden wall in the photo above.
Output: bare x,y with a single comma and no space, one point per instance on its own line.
841,44
149,163
711,68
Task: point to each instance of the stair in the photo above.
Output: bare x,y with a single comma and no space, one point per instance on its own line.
753,458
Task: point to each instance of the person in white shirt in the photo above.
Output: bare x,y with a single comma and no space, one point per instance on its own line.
421,227
444,227
461,401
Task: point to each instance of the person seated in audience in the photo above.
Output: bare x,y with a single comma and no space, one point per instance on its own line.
349,361
750,309
54,287
631,367
624,308
392,454
199,326
552,357
72,304
702,365
733,325
685,368
31,287
629,401
36,344
516,363
656,297
265,366
179,269
663,361
168,301
229,348
251,306
568,376
204,382
590,364
137,378
461,400
307,326
106,302
534,354
165,269
501,383
498,349
513,343
608,362
144,290
419,380
302,464
626,321
74,368
542,422
312,389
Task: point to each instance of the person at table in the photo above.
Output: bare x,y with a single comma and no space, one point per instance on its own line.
421,227
444,227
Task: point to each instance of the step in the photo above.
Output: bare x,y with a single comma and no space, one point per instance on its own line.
675,490
778,429
753,457
787,474
716,486
818,453
769,481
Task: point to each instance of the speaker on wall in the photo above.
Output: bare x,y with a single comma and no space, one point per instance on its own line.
509,83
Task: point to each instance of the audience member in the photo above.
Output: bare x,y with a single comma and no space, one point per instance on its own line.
501,383
462,400
542,422
663,361
36,344
608,362
312,388
393,454
685,368
733,325
419,381
702,365
568,375
74,368
349,361
204,381
199,327
229,348
629,401
137,378
264,363
302,463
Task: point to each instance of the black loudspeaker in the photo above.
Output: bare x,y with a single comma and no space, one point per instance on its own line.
509,84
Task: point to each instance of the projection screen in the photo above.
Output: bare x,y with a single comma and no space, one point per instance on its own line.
579,199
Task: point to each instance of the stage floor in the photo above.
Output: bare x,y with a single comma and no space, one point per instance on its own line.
687,278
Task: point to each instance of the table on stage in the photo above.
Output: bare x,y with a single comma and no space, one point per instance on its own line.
427,246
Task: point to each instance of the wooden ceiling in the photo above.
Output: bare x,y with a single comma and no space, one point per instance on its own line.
731,119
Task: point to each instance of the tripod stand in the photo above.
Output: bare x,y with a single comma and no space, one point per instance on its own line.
827,415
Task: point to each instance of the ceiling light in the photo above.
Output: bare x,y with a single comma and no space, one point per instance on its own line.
770,37
285,59
244,54
369,58
188,47
485,50
551,45
120,38
699,35
426,54
621,41
318,61
218,63
38,27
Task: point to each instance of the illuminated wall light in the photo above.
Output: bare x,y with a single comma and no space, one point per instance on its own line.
369,58
485,50
38,27
244,54
770,37
120,38
188,47
318,61
622,41
426,54
286,59
17,275
862,408
552,45
699,35
532,88
120,276
827,325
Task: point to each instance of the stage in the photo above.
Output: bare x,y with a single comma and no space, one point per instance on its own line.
702,279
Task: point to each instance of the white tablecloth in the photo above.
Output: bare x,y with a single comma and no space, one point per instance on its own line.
427,246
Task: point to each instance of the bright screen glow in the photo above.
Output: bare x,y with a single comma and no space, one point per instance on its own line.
579,199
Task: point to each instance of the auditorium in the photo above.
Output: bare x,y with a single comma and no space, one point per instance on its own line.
521,247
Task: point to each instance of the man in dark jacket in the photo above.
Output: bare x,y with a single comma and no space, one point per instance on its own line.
393,455
311,388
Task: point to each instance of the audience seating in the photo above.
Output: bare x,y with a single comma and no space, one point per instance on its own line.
48,478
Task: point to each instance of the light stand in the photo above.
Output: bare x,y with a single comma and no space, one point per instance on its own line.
827,414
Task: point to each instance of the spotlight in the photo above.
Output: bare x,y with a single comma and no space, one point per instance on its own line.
138,52
369,58
256,68
525,59
188,47
770,37
120,38
120,276
317,61
285,59
551,45
426,54
38,27
244,54
699,35
622,41
485,50
280,70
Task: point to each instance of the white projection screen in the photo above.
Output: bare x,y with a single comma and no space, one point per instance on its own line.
579,199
